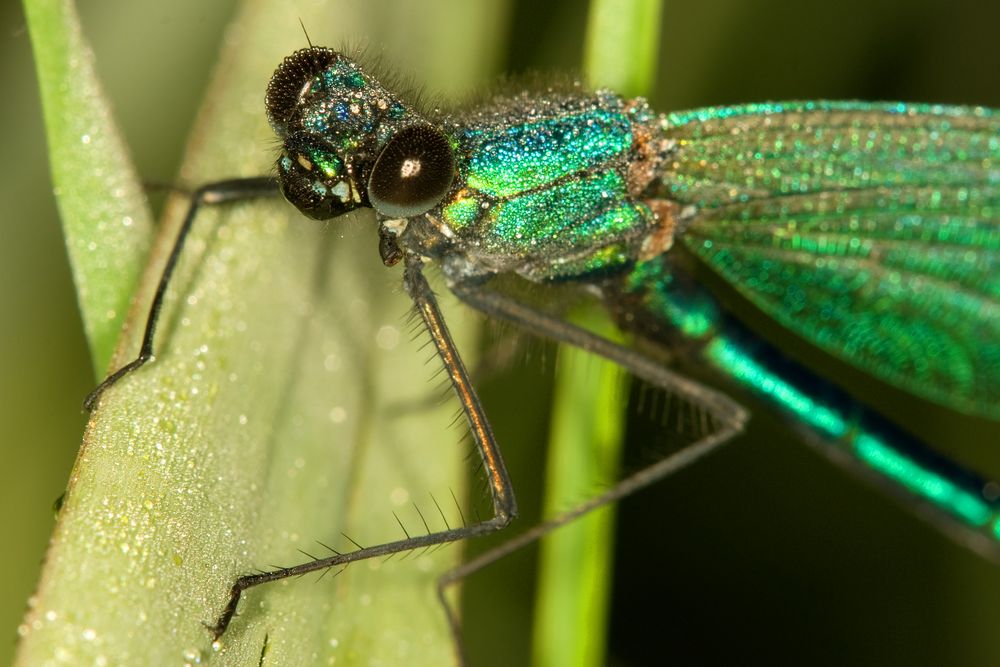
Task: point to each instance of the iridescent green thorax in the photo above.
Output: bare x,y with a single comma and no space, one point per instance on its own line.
543,185
542,142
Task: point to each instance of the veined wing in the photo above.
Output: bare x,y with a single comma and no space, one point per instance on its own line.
872,230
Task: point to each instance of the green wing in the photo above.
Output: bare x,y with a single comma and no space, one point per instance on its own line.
872,230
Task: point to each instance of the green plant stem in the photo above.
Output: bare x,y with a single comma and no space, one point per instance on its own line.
590,402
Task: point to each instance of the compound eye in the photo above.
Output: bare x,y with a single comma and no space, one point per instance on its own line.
289,80
412,173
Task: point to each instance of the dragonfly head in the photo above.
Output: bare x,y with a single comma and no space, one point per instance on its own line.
348,142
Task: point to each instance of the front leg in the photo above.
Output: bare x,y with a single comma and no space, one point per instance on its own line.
219,192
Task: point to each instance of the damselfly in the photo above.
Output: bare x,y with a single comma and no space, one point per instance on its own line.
869,229
191,410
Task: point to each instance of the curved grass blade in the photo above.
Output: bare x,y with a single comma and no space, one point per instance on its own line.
588,427
106,222
872,230
589,403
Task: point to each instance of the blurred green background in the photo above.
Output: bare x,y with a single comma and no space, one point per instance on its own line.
764,551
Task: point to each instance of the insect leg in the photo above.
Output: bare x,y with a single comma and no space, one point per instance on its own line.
727,416
220,192
504,503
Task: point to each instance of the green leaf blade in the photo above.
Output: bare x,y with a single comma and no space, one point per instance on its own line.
588,423
106,222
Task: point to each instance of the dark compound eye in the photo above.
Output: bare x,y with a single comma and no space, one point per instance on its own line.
412,173
290,78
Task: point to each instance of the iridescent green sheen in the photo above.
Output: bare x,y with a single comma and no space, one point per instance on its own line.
511,157
872,230
729,356
587,210
542,185
925,483
831,418
461,213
